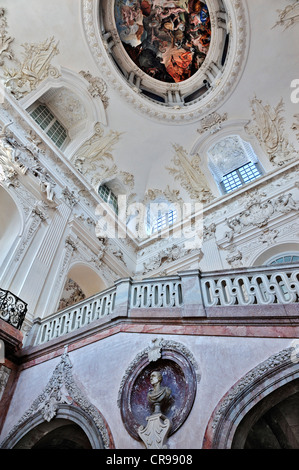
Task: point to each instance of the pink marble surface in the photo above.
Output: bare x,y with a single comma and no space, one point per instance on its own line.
223,354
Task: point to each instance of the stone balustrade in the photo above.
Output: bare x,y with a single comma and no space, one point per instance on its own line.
262,287
76,316
166,292
189,294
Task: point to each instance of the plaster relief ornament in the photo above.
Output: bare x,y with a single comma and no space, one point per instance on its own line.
158,426
189,174
72,294
95,161
154,351
68,108
169,195
212,122
258,213
164,257
35,67
62,389
295,126
288,16
45,181
10,166
4,376
97,87
268,128
5,40
91,154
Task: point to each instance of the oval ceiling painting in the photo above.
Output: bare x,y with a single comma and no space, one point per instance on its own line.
167,39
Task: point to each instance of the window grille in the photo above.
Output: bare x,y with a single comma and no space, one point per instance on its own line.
48,123
108,196
164,220
237,178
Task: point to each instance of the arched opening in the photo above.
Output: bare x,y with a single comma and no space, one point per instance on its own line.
273,423
82,282
58,434
269,391
10,223
275,252
71,428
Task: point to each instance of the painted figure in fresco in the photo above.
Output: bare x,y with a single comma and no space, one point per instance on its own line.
167,39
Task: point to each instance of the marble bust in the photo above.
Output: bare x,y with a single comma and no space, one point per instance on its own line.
158,396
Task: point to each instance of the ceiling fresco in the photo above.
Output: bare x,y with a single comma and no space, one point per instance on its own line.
168,40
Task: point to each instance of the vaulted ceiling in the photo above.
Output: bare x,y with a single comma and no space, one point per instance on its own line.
142,136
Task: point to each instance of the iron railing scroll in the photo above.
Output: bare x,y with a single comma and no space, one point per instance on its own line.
12,309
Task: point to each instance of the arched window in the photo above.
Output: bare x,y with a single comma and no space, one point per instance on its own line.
233,163
108,196
49,124
284,258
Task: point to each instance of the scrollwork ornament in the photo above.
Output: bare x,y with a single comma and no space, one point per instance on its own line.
35,67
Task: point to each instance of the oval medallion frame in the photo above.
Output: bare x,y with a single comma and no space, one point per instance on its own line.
101,36
179,372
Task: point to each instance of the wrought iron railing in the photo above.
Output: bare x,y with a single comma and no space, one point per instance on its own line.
267,285
12,309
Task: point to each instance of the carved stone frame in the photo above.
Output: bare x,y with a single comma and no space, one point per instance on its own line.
72,413
278,370
62,398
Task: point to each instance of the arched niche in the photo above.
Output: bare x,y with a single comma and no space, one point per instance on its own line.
58,434
61,403
243,401
273,423
82,282
71,428
89,281
217,129
69,99
10,223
